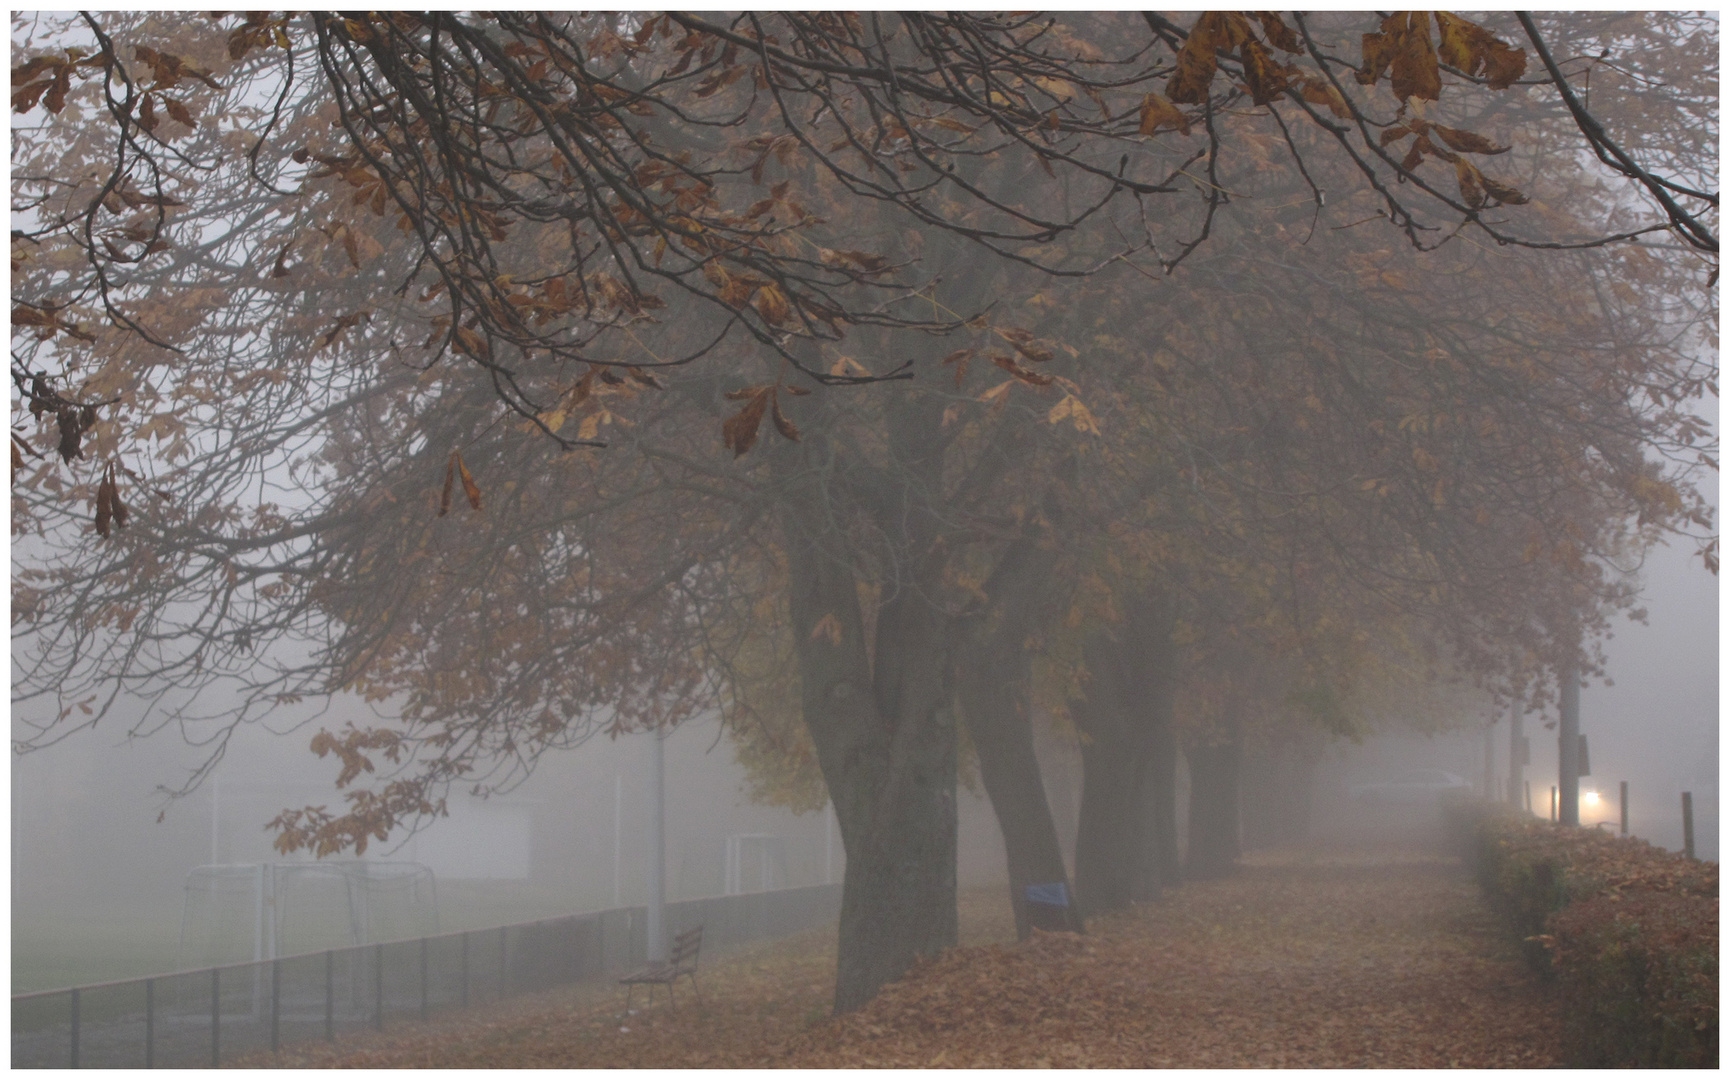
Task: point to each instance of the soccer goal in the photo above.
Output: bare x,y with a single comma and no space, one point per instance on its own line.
236,912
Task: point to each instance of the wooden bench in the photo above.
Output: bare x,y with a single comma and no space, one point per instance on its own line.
681,960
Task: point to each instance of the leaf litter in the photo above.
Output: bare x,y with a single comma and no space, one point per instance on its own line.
1301,960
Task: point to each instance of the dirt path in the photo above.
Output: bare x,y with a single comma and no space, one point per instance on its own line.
1304,959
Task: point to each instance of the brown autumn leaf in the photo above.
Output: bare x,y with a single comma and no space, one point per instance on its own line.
771,303
1039,354
1505,193
1026,375
1158,114
104,504
1415,73
1318,91
56,99
1267,78
785,426
1471,183
1196,63
450,479
739,432
828,628
1472,49
121,513
279,269
470,488
1279,35
1378,52
71,433
959,358
178,110
1469,142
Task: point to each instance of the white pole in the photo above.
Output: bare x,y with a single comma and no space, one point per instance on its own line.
258,948
829,842
618,802
273,917
657,931
258,925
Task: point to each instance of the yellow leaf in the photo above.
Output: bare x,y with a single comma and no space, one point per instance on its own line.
1158,113
470,488
1083,419
828,628
998,395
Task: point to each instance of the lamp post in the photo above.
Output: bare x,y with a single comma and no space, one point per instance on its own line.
1568,758
657,926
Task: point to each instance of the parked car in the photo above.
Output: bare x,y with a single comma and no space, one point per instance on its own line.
1419,787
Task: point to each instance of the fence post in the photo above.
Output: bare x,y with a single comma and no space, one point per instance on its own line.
75,1004
504,962
1688,824
275,1005
150,1023
215,1018
423,977
465,968
1624,808
378,988
330,995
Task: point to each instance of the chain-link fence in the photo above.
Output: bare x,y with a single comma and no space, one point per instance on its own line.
205,1017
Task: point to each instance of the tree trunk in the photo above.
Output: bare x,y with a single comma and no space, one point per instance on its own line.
1213,809
993,680
881,717
1160,866
1108,838
994,701
1125,721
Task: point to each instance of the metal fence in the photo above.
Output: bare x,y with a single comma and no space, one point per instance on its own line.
202,1018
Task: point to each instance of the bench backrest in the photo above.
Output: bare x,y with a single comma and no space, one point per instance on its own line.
685,947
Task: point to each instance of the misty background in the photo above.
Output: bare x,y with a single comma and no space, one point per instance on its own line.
99,884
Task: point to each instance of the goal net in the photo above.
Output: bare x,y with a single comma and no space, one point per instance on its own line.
237,912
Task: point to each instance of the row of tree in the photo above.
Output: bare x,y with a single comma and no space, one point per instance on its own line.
497,375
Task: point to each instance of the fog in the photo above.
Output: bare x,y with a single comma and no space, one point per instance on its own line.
1013,451
90,860
91,863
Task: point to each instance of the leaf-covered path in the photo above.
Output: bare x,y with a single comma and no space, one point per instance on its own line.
1317,959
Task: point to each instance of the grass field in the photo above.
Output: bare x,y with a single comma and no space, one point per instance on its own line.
96,939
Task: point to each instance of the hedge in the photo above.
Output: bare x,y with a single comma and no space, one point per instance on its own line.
1628,931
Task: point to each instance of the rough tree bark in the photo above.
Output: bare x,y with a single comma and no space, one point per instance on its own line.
885,737
994,702
880,711
1125,721
993,678
1160,865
